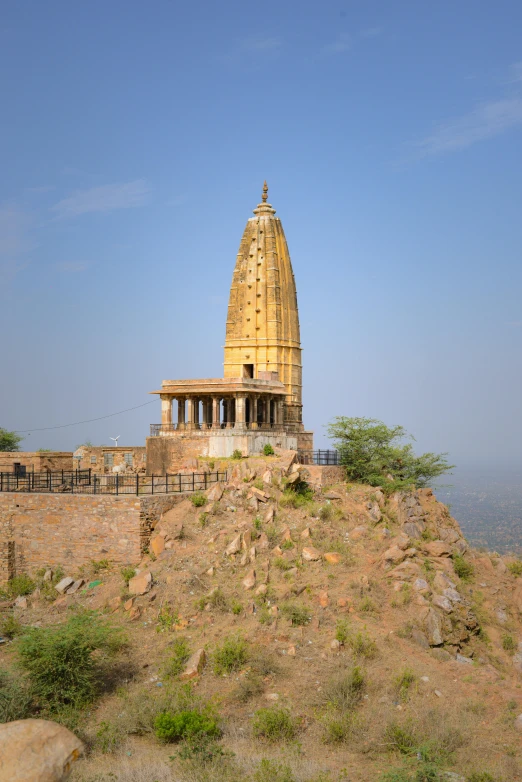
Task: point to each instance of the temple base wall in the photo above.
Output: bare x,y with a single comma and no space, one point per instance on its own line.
168,453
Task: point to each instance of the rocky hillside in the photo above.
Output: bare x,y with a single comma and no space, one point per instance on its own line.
335,634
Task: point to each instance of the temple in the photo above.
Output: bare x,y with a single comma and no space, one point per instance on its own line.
259,399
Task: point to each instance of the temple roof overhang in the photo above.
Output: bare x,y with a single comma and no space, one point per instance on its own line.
221,386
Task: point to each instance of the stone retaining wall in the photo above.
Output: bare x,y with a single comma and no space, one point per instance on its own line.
39,530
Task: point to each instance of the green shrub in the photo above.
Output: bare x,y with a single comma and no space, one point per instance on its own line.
345,691
203,519
508,643
15,698
127,573
402,737
218,600
362,645
99,565
403,682
515,568
237,608
231,655
257,523
340,728
367,606
185,725
296,495
249,686
297,614
283,564
108,737
271,771
463,568
60,661
342,630
10,626
268,450
167,619
180,655
198,499
237,454
20,585
480,776
274,724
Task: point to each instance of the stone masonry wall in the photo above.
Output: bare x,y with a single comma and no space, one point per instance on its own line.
38,530
39,461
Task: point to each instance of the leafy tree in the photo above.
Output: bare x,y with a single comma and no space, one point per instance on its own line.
9,441
374,453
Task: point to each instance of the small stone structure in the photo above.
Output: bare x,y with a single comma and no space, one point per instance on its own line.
35,461
104,460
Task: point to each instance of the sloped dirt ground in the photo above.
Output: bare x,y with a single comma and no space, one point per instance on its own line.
389,576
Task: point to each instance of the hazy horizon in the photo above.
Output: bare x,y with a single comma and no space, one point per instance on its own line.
136,142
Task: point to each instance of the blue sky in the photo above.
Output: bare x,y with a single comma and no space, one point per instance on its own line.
136,138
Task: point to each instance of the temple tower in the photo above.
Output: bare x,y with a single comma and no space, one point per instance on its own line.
262,338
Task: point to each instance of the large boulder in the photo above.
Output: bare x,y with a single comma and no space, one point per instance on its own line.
141,583
37,751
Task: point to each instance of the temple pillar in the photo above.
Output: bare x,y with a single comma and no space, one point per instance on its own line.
253,411
240,411
279,412
228,404
266,411
190,412
208,413
196,412
215,412
181,412
166,410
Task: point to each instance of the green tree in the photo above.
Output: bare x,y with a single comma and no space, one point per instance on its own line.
376,454
9,441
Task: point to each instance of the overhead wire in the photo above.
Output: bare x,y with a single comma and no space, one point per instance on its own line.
88,421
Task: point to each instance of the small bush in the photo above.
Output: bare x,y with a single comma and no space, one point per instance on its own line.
127,573
21,585
236,607
362,645
297,614
367,606
463,568
342,631
218,600
249,686
274,724
10,626
341,728
185,724
508,643
60,661
180,655
167,619
515,568
271,771
403,683
237,454
203,519
15,698
480,776
283,564
257,523
98,565
231,655
268,450
402,737
198,499
108,737
346,690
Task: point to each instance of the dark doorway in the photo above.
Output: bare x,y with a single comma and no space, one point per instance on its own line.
248,370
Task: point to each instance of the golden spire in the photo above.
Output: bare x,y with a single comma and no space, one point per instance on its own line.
265,192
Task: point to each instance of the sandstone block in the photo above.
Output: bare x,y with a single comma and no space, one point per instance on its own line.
157,544
129,603
442,602
311,554
76,586
114,603
215,492
194,666
234,547
37,751
306,533
324,600
63,585
135,613
438,548
269,516
359,532
141,583
250,581
433,627
333,495
394,555
332,557
260,495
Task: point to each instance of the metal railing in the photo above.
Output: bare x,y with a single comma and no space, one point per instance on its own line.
159,430
86,482
325,458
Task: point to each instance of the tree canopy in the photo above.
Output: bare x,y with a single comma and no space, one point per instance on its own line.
9,441
376,454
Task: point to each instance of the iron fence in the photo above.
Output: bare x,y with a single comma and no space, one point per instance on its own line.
332,458
87,482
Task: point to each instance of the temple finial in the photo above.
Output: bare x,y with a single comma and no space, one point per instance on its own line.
265,192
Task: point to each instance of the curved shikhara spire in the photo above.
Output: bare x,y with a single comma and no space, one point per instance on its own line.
263,321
